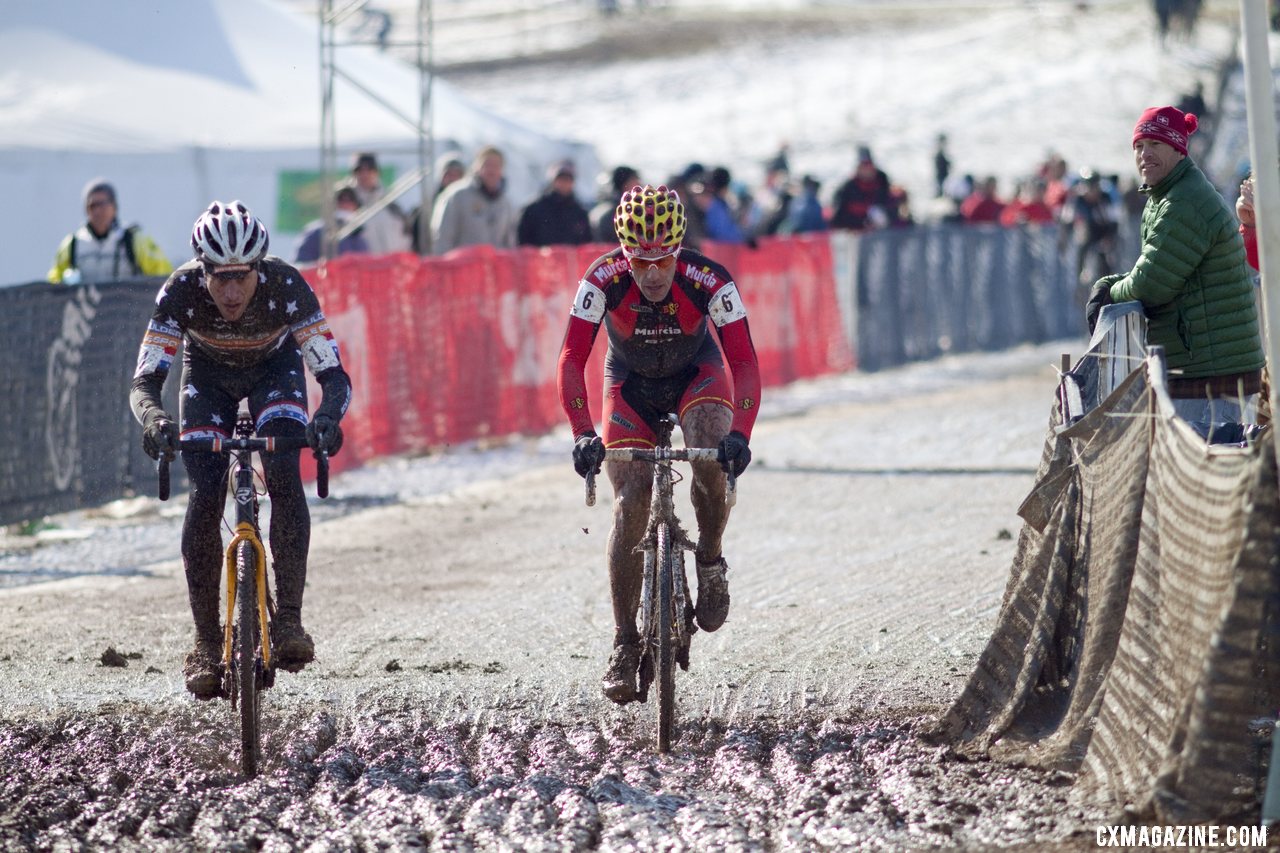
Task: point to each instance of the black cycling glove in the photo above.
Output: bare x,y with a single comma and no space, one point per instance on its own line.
324,433
1099,296
588,454
159,434
734,454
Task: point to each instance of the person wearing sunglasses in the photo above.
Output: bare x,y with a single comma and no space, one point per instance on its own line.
248,322
102,249
654,299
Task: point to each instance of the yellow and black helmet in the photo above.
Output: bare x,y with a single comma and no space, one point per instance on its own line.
649,222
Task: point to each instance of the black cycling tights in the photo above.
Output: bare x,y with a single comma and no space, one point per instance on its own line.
202,543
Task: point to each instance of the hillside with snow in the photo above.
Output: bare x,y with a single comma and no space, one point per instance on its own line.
728,83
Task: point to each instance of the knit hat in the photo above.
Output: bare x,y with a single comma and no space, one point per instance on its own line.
98,185
1169,125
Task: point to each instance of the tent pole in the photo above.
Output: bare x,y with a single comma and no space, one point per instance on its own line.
426,127
328,131
1260,102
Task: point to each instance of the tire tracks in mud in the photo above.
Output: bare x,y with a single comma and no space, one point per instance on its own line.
800,724
396,777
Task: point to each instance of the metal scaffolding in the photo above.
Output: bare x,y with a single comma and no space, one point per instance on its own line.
331,18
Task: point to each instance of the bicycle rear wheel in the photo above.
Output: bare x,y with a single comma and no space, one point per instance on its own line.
666,646
246,651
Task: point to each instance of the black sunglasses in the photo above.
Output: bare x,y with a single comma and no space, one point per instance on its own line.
229,275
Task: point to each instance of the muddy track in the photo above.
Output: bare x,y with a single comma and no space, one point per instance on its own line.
391,776
455,706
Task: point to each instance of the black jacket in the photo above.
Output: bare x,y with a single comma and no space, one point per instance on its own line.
553,220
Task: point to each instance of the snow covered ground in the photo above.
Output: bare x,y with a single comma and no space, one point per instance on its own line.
1007,82
125,537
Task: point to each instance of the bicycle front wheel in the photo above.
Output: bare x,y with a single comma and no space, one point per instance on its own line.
666,646
247,662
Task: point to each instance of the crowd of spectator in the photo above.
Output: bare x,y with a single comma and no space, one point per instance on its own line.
470,205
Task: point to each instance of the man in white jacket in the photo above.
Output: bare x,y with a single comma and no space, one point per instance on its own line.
476,211
388,230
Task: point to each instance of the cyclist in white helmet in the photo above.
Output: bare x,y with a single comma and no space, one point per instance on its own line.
248,322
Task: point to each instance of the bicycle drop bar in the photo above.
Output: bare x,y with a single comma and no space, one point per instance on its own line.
227,445
687,454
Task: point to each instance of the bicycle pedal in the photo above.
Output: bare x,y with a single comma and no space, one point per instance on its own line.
682,656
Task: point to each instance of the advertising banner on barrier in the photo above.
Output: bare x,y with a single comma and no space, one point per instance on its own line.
467,346
443,350
69,439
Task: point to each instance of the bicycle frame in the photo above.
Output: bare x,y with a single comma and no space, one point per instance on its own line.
665,615
246,530
247,663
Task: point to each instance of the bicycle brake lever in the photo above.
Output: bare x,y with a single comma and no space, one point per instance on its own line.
591,488
162,476
731,493
322,473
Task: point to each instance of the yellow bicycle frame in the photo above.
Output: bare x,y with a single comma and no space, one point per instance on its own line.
246,533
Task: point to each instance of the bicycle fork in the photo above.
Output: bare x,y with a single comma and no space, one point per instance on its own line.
246,533
662,511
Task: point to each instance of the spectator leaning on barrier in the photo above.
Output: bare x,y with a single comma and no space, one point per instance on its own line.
388,231
476,211
346,202
101,249
1191,277
555,218
863,200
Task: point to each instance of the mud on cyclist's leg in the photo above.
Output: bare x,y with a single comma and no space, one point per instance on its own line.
290,539
632,482
202,560
704,426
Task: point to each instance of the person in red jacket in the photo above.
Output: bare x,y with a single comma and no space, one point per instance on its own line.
1244,212
1248,230
654,299
982,204
1028,206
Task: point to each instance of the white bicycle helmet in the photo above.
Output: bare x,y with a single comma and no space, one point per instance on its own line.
227,234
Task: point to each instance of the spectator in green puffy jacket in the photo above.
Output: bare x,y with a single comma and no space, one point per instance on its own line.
1191,278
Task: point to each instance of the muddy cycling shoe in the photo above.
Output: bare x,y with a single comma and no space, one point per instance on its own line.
291,645
713,594
203,669
619,682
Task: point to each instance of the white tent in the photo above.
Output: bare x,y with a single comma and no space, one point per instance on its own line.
180,103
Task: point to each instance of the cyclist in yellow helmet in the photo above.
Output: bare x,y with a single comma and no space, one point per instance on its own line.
654,298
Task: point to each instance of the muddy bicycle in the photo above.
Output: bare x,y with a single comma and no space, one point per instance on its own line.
248,666
666,612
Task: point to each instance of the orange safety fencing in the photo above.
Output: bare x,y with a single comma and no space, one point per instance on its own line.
448,349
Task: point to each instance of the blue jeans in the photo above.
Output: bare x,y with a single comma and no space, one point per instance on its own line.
1218,410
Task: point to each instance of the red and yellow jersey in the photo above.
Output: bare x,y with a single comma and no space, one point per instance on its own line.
660,339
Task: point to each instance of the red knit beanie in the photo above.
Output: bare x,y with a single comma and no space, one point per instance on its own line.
1166,124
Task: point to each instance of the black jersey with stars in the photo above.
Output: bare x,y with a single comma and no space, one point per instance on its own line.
284,311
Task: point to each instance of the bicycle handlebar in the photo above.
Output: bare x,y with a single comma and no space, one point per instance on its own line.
686,454
227,445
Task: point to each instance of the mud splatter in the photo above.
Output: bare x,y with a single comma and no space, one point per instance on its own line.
391,777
